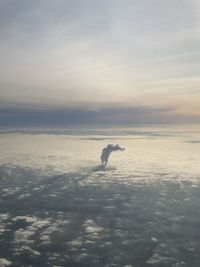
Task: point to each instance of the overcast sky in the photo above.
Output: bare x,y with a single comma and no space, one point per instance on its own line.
111,60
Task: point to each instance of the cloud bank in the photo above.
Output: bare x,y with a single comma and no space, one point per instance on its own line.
107,115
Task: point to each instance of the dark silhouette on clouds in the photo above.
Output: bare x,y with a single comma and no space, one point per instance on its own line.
107,151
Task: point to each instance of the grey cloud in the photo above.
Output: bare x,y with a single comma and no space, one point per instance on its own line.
84,116
34,19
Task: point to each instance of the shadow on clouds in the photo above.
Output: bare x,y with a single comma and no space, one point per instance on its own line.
97,219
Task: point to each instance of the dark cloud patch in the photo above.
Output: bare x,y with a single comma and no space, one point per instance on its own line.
23,116
193,142
18,116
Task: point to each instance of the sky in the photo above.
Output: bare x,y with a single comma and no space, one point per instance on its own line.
109,61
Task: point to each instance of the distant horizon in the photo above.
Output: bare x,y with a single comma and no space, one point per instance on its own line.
97,128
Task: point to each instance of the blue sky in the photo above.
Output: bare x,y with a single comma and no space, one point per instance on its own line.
100,57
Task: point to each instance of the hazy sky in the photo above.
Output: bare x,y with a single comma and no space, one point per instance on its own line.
105,60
